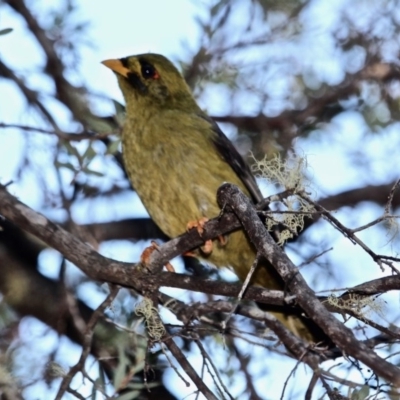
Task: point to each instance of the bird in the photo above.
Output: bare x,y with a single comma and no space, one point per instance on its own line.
176,157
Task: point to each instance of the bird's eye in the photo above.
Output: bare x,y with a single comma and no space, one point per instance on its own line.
148,71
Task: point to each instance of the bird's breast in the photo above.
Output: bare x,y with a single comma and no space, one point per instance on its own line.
171,175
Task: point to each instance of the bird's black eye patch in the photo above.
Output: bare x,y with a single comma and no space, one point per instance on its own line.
135,81
124,61
148,71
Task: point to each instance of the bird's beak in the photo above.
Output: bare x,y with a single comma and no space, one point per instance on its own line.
116,66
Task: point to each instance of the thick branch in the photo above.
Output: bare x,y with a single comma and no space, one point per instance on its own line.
105,269
102,268
229,195
144,228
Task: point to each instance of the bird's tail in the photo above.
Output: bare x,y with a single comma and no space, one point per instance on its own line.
240,254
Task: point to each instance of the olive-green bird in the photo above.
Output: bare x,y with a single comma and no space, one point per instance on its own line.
176,158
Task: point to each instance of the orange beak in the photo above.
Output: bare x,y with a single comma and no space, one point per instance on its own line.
116,66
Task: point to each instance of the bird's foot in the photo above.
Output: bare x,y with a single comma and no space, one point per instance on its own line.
223,240
144,257
198,224
207,247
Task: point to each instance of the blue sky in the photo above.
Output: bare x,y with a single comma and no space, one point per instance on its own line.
123,27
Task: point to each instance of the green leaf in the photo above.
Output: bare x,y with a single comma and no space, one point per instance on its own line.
120,372
134,394
89,154
92,172
67,165
360,394
141,386
113,147
71,150
119,108
99,125
5,31
119,113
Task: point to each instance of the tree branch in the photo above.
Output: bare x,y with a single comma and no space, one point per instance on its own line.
229,195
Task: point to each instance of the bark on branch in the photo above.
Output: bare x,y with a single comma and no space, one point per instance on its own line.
230,196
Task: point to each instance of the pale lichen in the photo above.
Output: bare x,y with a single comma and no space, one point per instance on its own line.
155,328
290,210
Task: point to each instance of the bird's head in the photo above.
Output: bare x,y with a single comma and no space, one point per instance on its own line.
150,80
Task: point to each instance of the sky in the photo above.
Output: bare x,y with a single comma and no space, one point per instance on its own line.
117,28
120,28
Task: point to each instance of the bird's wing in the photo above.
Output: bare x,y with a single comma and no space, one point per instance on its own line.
232,157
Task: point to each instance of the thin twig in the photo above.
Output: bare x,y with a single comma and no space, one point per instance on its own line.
87,341
70,136
218,381
374,222
305,297
349,234
242,290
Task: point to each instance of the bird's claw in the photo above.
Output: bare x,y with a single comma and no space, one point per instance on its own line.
145,256
198,224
